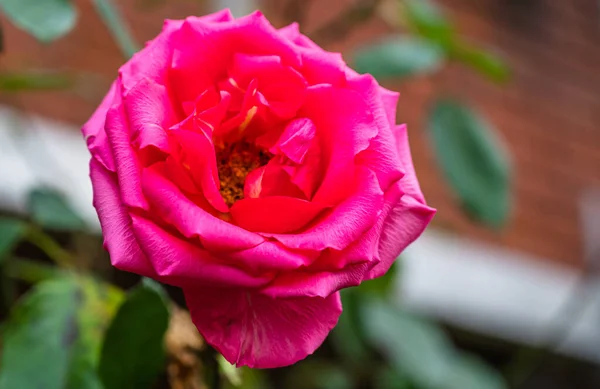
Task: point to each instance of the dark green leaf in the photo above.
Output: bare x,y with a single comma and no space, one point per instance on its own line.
388,378
51,210
132,354
54,334
412,345
317,374
473,160
399,57
427,19
117,27
470,372
11,231
485,62
98,306
347,337
15,82
39,337
46,20
383,285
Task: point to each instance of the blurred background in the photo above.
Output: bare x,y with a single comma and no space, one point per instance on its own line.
502,102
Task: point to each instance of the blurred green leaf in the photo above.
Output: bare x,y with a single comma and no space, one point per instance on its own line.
485,62
318,374
132,354
11,231
347,337
39,337
383,285
39,80
399,57
426,19
98,306
117,27
51,210
388,378
46,20
470,372
412,345
53,336
473,161
251,379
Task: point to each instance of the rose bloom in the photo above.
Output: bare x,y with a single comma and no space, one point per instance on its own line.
257,172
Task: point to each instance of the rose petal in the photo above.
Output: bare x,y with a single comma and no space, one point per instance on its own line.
211,48
179,262
405,221
149,112
318,66
409,183
170,205
253,330
274,214
197,154
119,240
126,161
345,127
345,223
382,155
95,136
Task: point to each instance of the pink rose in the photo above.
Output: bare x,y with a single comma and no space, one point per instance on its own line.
257,172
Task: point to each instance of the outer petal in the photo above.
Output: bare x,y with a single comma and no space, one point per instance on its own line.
319,66
409,183
119,240
382,156
95,136
126,161
253,330
179,262
405,221
211,47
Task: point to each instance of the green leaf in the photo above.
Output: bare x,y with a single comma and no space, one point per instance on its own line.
39,337
470,372
388,378
399,57
347,337
485,62
46,20
11,231
427,19
117,27
317,374
412,345
99,305
383,285
132,354
51,210
53,336
473,160
15,82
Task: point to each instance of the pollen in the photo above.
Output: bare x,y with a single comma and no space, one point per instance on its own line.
234,162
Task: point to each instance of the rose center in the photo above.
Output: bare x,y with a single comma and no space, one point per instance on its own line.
234,162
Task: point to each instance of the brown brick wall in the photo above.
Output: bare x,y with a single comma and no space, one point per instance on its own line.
549,114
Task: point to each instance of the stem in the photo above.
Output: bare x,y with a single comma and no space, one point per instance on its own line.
117,27
29,270
339,27
49,246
